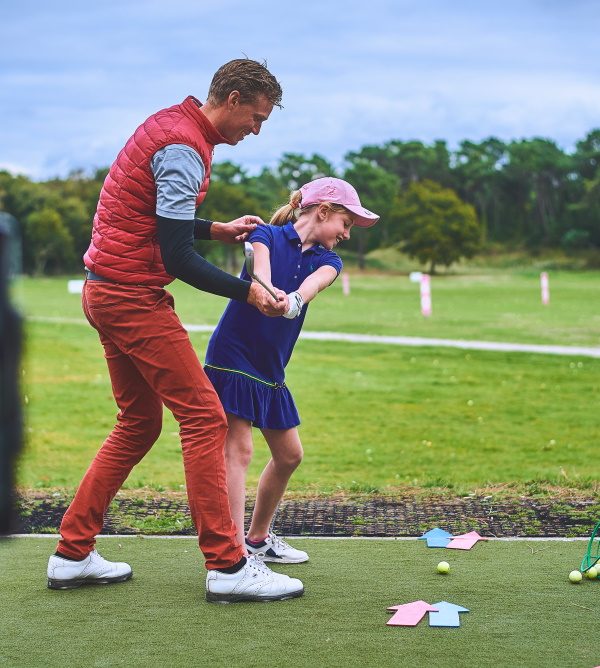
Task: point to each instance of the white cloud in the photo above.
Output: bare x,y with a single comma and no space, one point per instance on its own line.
353,73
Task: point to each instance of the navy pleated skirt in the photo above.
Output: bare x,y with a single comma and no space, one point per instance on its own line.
266,406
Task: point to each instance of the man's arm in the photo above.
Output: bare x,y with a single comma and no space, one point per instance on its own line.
202,229
233,232
175,238
176,241
179,172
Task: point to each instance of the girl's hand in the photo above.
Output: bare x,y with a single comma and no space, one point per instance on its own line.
296,304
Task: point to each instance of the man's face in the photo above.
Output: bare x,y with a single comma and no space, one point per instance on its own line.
244,118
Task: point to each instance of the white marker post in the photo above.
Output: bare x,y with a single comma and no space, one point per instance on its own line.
545,287
75,287
345,283
425,295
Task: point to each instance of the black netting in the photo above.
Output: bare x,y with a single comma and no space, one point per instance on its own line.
383,517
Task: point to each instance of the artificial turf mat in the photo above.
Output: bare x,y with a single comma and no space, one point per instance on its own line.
523,610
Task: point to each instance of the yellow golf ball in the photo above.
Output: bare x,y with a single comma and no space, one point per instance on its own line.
592,573
575,577
443,567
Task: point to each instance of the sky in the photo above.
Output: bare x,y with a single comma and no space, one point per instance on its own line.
77,78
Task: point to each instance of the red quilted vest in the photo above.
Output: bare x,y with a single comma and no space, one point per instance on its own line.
124,247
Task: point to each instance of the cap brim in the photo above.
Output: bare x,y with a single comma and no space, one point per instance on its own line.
362,217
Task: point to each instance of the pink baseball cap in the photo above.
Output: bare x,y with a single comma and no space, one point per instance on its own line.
336,191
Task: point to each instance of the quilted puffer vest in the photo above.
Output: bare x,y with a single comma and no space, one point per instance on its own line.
124,246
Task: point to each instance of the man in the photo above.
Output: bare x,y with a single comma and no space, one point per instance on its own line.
142,239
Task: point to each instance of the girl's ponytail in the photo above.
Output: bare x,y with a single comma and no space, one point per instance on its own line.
288,211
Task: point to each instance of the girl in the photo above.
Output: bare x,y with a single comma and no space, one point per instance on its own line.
248,352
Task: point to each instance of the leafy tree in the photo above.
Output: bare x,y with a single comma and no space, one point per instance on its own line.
524,191
20,196
585,213
410,161
587,155
437,226
295,169
266,190
478,170
78,221
48,241
536,178
225,202
377,189
584,210
228,172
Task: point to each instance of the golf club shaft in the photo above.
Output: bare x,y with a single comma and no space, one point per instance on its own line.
265,286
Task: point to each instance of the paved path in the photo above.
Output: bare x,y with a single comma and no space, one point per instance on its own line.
416,341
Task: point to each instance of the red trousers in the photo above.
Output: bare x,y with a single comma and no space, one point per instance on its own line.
151,362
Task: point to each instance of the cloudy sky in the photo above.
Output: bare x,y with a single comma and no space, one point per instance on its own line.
77,78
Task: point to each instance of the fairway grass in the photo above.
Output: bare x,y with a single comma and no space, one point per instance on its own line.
523,610
374,418
492,306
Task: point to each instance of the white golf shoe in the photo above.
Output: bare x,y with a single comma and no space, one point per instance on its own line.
94,569
276,549
254,582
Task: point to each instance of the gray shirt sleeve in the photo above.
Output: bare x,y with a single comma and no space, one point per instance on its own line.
178,171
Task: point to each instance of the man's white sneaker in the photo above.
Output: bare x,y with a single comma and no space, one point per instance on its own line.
276,549
254,582
94,569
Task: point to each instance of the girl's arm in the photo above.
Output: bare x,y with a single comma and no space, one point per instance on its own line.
310,288
262,261
322,278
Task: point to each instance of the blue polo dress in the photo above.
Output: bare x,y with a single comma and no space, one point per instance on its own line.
248,351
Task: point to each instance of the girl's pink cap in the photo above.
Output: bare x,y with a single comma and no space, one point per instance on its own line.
336,191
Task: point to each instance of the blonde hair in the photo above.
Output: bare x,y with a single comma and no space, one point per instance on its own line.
292,210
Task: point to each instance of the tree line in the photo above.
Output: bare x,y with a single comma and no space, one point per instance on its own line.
436,204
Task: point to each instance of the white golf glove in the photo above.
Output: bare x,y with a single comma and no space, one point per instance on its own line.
296,304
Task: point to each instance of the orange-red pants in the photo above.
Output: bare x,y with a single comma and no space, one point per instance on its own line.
151,362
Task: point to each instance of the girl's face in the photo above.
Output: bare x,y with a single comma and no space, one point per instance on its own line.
333,227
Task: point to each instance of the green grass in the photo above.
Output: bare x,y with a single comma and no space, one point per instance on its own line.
523,611
383,416
375,418
493,306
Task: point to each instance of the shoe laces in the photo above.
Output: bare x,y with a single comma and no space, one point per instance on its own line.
255,562
278,542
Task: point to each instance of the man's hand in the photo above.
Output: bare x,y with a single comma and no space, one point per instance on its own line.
263,301
235,231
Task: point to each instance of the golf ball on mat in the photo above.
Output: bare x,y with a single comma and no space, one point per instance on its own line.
575,576
592,573
443,567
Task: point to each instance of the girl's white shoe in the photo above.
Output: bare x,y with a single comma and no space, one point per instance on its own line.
275,549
